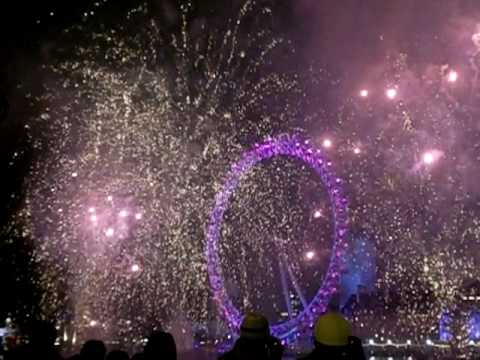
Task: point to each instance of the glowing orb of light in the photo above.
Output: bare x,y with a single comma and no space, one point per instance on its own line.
294,147
93,323
109,232
356,151
74,174
476,39
327,143
428,158
310,255
317,214
135,268
93,218
91,210
452,76
364,93
123,213
109,197
138,216
391,93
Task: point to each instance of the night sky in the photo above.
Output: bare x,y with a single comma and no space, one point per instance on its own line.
22,38
123,116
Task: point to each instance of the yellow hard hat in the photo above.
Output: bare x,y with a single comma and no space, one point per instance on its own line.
254,326
332,329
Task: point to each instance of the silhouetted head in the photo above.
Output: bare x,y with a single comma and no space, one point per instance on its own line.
255,342
254,327
160,345
93,350
332,329
117,355
43,334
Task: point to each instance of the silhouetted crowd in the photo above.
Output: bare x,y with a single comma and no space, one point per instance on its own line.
332,337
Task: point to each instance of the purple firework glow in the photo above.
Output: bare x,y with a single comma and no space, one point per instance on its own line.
290,146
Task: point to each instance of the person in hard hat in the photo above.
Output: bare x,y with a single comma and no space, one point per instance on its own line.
333,339
255,341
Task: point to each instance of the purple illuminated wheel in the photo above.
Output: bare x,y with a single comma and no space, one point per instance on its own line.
289,146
